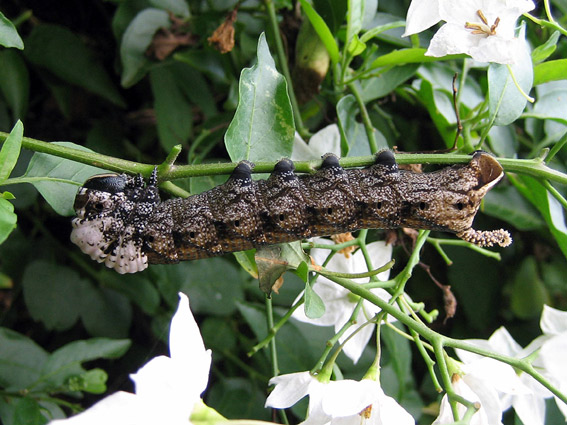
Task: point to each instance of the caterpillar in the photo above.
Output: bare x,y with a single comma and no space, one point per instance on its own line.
122,222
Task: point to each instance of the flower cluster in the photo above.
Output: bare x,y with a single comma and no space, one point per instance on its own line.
168,389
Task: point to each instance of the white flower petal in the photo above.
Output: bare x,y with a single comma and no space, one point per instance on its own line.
390,412
553,321
449,40
118,408
355,346
530,409
289,389
421,15
349,397
446,413
552,355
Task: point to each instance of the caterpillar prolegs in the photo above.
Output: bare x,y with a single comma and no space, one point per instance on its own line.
122,223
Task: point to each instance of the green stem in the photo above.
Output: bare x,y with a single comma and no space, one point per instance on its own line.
369,128
436,242
531,167
542,22
555,193
273,350
369,273
285,69
274,329
443,341
556,148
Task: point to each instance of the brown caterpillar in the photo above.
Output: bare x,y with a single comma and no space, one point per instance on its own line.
122,223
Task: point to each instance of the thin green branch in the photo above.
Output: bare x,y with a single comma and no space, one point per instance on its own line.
368,127
273,350
532,167
436,338
555,193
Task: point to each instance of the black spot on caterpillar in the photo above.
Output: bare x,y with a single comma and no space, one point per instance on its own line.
122,223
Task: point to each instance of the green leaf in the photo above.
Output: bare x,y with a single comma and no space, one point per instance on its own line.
8,219
356,47
528,292
14,82
263,126
21,360
236,398
505,101
10,151
550,209
212,284
136,40
136,287
274,260
374,88
333,12
354,21
323,30
314,305
65,362
53,294
507,204
271,266
303,271
9,36
399,355
105,312
59,194
440,108
550,71
28,412
173,110
352,131
218,335
405,56
246,261
64,54
542,52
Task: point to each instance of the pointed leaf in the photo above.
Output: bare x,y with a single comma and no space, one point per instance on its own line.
9,36
314,305
135,42
322,29
8,219
263,126
60,191
505,101
11,151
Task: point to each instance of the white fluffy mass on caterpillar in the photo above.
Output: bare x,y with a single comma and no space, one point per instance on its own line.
122,222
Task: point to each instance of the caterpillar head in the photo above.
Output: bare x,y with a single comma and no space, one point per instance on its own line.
111,213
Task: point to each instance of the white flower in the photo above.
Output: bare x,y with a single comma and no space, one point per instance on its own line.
338,402
339,302
168,389
493,384
554,350
483,29
529,405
